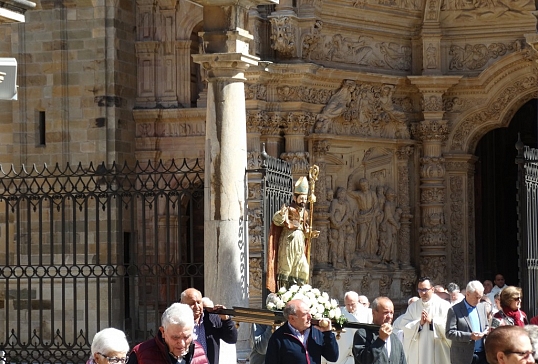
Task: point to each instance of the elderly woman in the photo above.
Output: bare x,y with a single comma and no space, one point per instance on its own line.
109,346
510,312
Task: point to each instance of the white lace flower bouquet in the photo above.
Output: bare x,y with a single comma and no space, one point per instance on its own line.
321,305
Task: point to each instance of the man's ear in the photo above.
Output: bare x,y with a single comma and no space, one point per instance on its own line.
162,330
500,357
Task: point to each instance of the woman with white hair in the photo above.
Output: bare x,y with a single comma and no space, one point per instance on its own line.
109,346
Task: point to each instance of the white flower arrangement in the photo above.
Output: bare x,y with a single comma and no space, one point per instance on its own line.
321,305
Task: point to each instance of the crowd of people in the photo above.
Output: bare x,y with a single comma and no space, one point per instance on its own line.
480,324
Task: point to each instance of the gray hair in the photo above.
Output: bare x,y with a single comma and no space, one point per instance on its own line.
109,340
474,286
451,287
291,308
352,295
375,302
178,314
533,335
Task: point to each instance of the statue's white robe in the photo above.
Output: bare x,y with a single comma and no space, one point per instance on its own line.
426,345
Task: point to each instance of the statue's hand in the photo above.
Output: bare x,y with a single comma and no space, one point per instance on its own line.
313,198
284,210
314,234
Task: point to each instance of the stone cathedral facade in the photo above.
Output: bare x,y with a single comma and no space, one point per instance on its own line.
388,97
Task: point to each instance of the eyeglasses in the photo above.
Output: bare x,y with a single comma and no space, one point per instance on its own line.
115,360
516,298
522,354
423,290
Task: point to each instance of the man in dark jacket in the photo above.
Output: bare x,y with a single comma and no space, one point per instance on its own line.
298,342
173,343
208,327
466,325
379,346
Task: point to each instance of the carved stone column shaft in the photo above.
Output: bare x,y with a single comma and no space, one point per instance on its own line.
433,132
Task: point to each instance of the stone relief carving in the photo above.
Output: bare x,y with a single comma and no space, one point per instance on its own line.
403,4
311,45
492,112
465,11
255,92
366,110
388,229
255,278
430,130
474,57
364,226
456,104
433,103
408,284
431,57
182,129
361,50
282,35
254,160
170,129
304,94
255,224
338,103
385,281
365,284
342,247
433,267
456,222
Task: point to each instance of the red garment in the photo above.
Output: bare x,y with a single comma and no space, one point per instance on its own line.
534,320
155,351
519,317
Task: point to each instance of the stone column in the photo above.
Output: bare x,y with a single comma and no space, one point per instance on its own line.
225,58
183,69
296,126
461,216
404,234
432,131
270,129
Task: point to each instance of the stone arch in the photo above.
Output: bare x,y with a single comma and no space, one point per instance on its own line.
508,85
187,24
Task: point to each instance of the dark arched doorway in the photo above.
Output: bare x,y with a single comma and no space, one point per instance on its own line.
495,195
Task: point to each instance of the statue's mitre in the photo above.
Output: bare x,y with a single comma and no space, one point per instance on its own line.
301,186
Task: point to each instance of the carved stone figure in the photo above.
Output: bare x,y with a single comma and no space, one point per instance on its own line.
392,121
339,217
366,218
388,229
431,56
336,106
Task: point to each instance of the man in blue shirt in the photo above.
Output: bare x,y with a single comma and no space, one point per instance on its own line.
467,325
298,342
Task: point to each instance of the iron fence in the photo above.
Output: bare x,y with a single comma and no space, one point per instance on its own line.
527,161
85,248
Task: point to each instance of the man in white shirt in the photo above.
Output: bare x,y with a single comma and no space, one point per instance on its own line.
499,285
355,309
423,324
353,312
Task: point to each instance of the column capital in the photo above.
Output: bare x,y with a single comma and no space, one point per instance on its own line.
242,3
434,85
226,65
430,130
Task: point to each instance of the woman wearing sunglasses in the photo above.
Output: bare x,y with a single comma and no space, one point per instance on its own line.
510,313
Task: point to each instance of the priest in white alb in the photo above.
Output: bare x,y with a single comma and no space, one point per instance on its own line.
423,326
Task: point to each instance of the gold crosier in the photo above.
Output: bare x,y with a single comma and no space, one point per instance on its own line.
313,174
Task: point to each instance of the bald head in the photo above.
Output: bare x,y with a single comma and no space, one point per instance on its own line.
193,298
506,341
